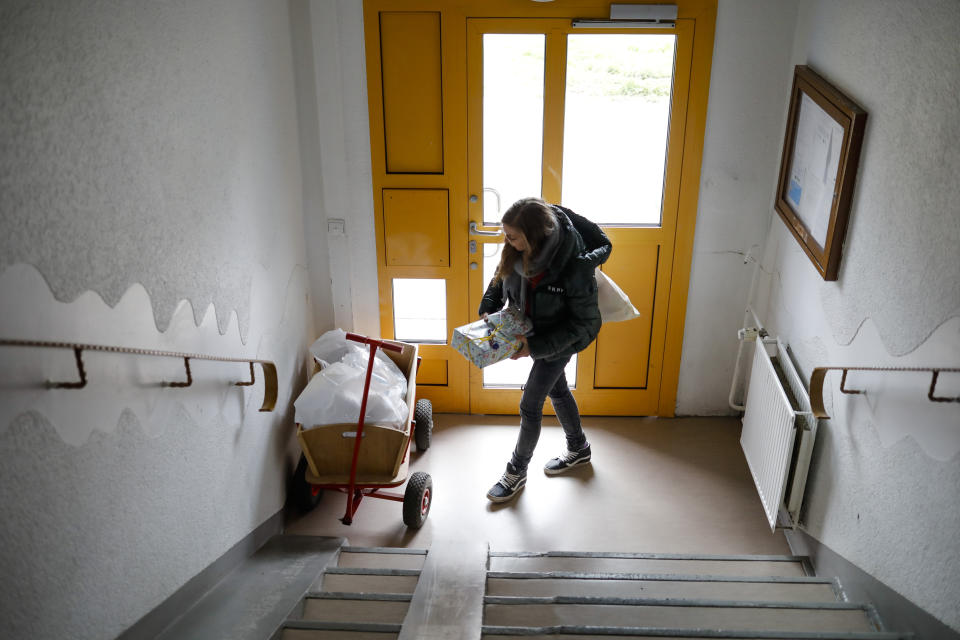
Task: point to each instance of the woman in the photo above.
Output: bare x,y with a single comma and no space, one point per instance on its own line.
547,271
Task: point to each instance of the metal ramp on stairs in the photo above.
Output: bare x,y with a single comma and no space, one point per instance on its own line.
388,593
463,592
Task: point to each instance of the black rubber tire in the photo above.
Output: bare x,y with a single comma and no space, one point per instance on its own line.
423,430
303,496
417,499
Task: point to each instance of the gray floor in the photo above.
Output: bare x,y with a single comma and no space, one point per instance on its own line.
656,485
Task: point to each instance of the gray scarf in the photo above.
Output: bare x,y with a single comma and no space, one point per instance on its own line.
538,263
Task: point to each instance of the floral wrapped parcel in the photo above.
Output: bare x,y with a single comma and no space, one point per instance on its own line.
493,339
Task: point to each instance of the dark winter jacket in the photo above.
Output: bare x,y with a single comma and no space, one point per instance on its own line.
563,306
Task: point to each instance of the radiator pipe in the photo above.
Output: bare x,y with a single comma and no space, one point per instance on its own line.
747,333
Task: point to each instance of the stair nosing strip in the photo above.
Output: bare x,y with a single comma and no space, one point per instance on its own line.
385,550
357,595
647,556
838,589
495,630
316,625
363,571
653,577
674,602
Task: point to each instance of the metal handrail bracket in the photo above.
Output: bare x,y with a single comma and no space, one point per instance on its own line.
820,373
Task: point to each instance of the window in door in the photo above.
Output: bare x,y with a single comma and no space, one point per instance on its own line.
513,107
616,121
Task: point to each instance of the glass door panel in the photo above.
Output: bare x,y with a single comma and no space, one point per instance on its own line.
512,120
616,122
420,310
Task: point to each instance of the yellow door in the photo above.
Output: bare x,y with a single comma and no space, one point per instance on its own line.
470,113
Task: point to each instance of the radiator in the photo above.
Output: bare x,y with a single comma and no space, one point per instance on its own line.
778,431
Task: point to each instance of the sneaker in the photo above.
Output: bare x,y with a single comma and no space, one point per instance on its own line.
567,461
508,486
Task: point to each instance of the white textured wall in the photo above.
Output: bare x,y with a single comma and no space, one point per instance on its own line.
886,472
745,116
311,153
150,196
341,84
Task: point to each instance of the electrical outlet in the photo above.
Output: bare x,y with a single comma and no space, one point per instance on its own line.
336,227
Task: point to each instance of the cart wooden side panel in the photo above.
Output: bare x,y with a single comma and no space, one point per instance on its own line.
329,448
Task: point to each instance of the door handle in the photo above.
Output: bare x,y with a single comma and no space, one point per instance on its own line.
474,231
474,199
495,193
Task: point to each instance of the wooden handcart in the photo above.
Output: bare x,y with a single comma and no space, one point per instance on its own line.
364,459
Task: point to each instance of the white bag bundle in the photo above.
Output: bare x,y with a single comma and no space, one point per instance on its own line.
615,305
334,394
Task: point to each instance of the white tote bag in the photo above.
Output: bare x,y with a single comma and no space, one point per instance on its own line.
614,304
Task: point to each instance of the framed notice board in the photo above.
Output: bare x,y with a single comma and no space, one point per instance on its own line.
821,151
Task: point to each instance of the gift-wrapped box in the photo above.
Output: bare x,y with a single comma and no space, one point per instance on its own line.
493,339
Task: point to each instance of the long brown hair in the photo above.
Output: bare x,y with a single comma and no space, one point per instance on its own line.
535,219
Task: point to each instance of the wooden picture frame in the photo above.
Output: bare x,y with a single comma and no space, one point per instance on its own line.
821,151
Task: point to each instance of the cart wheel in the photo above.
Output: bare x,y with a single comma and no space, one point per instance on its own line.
304,494
417,499
423,416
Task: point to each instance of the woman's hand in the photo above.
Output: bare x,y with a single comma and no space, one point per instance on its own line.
523,351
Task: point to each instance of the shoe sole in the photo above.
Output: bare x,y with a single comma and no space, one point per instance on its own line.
556,472
513,495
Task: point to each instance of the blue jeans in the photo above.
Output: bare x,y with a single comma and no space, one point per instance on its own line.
546,378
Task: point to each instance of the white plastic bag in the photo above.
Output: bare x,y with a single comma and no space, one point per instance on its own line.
334,394
331,347
614,304
385,370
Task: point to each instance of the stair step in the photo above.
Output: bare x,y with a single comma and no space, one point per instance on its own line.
381,558
315,630
717,615
808,590
363,580
355,610
785,566
606,633
313,634
400,551
338,634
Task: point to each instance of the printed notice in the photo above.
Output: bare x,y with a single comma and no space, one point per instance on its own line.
812,179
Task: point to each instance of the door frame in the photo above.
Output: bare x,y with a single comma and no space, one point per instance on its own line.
453,18
609,400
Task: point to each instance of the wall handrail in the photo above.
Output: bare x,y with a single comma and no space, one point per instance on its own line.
820,373
269,369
